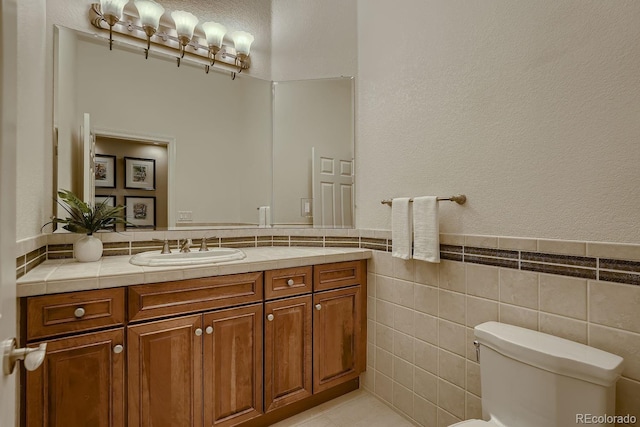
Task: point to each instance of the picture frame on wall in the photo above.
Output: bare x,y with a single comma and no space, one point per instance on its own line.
140,211
139,173
104,168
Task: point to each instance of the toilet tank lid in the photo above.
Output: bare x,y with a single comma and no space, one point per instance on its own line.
551,353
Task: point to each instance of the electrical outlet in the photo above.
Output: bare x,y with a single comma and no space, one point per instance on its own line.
185,216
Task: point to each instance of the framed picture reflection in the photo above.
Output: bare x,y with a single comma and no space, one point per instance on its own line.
139,174
140,211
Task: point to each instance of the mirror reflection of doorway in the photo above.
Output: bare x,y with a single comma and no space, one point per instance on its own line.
133,174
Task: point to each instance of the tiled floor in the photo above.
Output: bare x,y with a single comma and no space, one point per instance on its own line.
358,408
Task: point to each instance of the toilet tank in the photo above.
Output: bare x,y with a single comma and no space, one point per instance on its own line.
532,379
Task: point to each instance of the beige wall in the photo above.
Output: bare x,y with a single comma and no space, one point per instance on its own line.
530,108
313,39
33,178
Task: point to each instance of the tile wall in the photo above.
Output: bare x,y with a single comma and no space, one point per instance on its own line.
421,316
420,356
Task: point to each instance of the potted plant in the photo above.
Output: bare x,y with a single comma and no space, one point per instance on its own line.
86,219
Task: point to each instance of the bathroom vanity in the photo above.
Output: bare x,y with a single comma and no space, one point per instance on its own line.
242,343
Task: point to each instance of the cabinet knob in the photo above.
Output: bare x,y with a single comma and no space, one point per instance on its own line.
290,282
318,307
209,330
79,313
270,317
198,332
118,349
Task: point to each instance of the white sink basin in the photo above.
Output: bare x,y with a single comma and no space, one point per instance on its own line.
156,259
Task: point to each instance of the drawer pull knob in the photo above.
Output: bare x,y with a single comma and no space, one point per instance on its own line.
270,317
118,349
198,332
79,313
209,330
290,282
318,307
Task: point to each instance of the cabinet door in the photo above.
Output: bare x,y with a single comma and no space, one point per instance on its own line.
337,320
165,373
232,365
287,351
81,383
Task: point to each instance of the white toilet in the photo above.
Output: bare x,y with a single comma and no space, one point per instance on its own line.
532,379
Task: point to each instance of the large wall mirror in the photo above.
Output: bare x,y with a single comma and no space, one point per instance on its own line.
200,149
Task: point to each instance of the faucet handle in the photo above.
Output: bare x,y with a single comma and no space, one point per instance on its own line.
165,246
203,244
185,245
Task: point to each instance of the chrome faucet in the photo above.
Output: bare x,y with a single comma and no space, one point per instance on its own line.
203,244
186,244
165,246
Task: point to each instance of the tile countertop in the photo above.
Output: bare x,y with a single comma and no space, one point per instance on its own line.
67,275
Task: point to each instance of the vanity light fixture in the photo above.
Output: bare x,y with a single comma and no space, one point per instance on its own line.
185,24
112,12
214,33
242,41
150,13
147,24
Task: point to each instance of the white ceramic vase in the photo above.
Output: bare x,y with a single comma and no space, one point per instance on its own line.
87,249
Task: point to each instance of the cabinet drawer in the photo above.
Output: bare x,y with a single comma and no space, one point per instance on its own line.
188,296
50,315
339,275
288,282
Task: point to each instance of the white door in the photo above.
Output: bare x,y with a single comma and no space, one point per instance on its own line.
8,121
332,191
88,160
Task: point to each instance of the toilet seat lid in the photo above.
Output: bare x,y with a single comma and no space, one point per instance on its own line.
475,423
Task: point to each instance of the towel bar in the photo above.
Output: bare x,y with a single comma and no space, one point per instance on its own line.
460,199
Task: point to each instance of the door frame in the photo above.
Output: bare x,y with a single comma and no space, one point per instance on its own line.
169,142
8,158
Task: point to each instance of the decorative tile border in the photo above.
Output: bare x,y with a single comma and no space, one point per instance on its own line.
569,258
592,268
27,262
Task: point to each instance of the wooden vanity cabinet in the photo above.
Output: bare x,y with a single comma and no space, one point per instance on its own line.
339,323
287,351
197,370
239,350
232,367
82,379
165,373
80,383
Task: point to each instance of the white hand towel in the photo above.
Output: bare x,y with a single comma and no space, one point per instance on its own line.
401,228
267,216
426,229
264,217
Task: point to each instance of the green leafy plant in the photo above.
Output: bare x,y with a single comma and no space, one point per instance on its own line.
84,218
